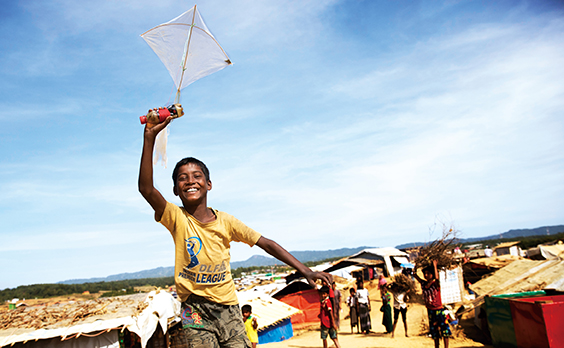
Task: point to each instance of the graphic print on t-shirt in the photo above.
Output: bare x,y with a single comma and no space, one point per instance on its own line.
193,246
201,273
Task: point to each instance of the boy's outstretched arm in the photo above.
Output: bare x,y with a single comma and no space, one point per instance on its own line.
281,254
146,187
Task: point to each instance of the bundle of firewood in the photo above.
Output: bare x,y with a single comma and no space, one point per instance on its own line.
439,250
404,283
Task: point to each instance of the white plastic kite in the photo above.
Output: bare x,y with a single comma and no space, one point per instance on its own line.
189,52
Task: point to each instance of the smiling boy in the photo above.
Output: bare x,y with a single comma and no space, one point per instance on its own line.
202,236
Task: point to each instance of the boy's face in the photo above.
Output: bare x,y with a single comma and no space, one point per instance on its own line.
191,185
246,315
428,276
324,295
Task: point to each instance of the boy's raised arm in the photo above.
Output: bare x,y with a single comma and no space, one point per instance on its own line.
146,187
419,279
281,254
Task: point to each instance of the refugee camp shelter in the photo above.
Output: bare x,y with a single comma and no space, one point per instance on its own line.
508,248
520,279
476,269
273,316
299,294
352,268
520,276
347,272
546,252
392,258
527,320
92,324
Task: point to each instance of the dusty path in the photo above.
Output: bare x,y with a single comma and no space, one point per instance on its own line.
416,313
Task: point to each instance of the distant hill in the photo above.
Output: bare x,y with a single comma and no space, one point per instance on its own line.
255,260
539,231
158,272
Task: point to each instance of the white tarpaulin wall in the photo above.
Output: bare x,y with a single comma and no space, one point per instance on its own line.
386,255
161,307
451,285
346,272
105,340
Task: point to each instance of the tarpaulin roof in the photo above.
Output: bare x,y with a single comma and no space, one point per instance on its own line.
265,308
520,276
138,313
496,261
506,245
546,252
387,251
557,285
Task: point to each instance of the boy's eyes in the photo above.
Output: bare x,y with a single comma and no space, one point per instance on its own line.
185,177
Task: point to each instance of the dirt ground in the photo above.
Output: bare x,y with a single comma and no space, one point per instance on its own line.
466,335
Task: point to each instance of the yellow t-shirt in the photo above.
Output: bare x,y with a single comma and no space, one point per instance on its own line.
251,333
202,256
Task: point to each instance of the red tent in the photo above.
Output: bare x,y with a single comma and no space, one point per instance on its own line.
307,301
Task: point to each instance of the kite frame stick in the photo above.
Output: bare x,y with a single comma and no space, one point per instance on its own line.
177,99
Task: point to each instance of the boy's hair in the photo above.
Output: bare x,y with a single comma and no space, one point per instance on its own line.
247,309
324,290
186,161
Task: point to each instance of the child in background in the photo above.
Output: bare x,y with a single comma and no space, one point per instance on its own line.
400,307
251,324
381,283
364,308
336,305
387,309
352,302
438,321
328,327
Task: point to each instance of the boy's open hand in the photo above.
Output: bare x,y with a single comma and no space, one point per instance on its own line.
151,130
313,276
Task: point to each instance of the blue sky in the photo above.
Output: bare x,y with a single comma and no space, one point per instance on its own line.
340,124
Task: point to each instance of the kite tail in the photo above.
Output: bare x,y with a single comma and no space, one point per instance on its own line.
160,147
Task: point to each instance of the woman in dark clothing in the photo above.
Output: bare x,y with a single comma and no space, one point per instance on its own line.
352,302
387,309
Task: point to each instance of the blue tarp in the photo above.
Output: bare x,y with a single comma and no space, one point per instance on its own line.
276,333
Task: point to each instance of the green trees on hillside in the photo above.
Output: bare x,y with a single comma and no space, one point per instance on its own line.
52,290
